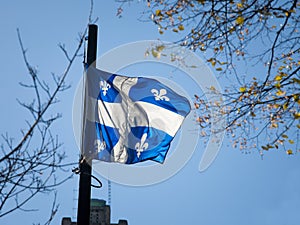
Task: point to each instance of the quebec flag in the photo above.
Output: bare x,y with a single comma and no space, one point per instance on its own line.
129,119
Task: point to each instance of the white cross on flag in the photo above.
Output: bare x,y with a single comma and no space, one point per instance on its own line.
129,119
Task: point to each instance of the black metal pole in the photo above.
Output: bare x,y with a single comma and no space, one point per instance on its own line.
85,165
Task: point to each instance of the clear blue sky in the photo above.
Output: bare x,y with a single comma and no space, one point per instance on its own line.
236,189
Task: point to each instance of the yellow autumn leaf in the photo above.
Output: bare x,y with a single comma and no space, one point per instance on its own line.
201,1
289,152
242,89
231,29
277,85
212,88
291,142
278,78
285,106
240,20
239,5
158,12
296,97
280,93
175,30
160,48
292,10
284,136
296,80
155,54
199,120
298,126
219,69
281,142
169,13
180,27
283,74
297,115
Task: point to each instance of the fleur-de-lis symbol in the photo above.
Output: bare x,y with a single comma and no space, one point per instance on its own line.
161,95
99,145
104,86
141,146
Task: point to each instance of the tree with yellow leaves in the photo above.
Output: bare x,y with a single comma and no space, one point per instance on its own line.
255,44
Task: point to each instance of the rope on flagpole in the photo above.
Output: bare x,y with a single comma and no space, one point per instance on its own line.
77,171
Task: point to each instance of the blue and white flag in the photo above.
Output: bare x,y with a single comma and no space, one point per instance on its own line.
129,119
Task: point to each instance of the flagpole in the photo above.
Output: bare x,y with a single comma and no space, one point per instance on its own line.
85,165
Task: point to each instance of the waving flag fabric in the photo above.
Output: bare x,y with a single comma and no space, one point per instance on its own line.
129,119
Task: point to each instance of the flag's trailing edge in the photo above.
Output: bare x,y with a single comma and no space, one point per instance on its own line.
129,119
